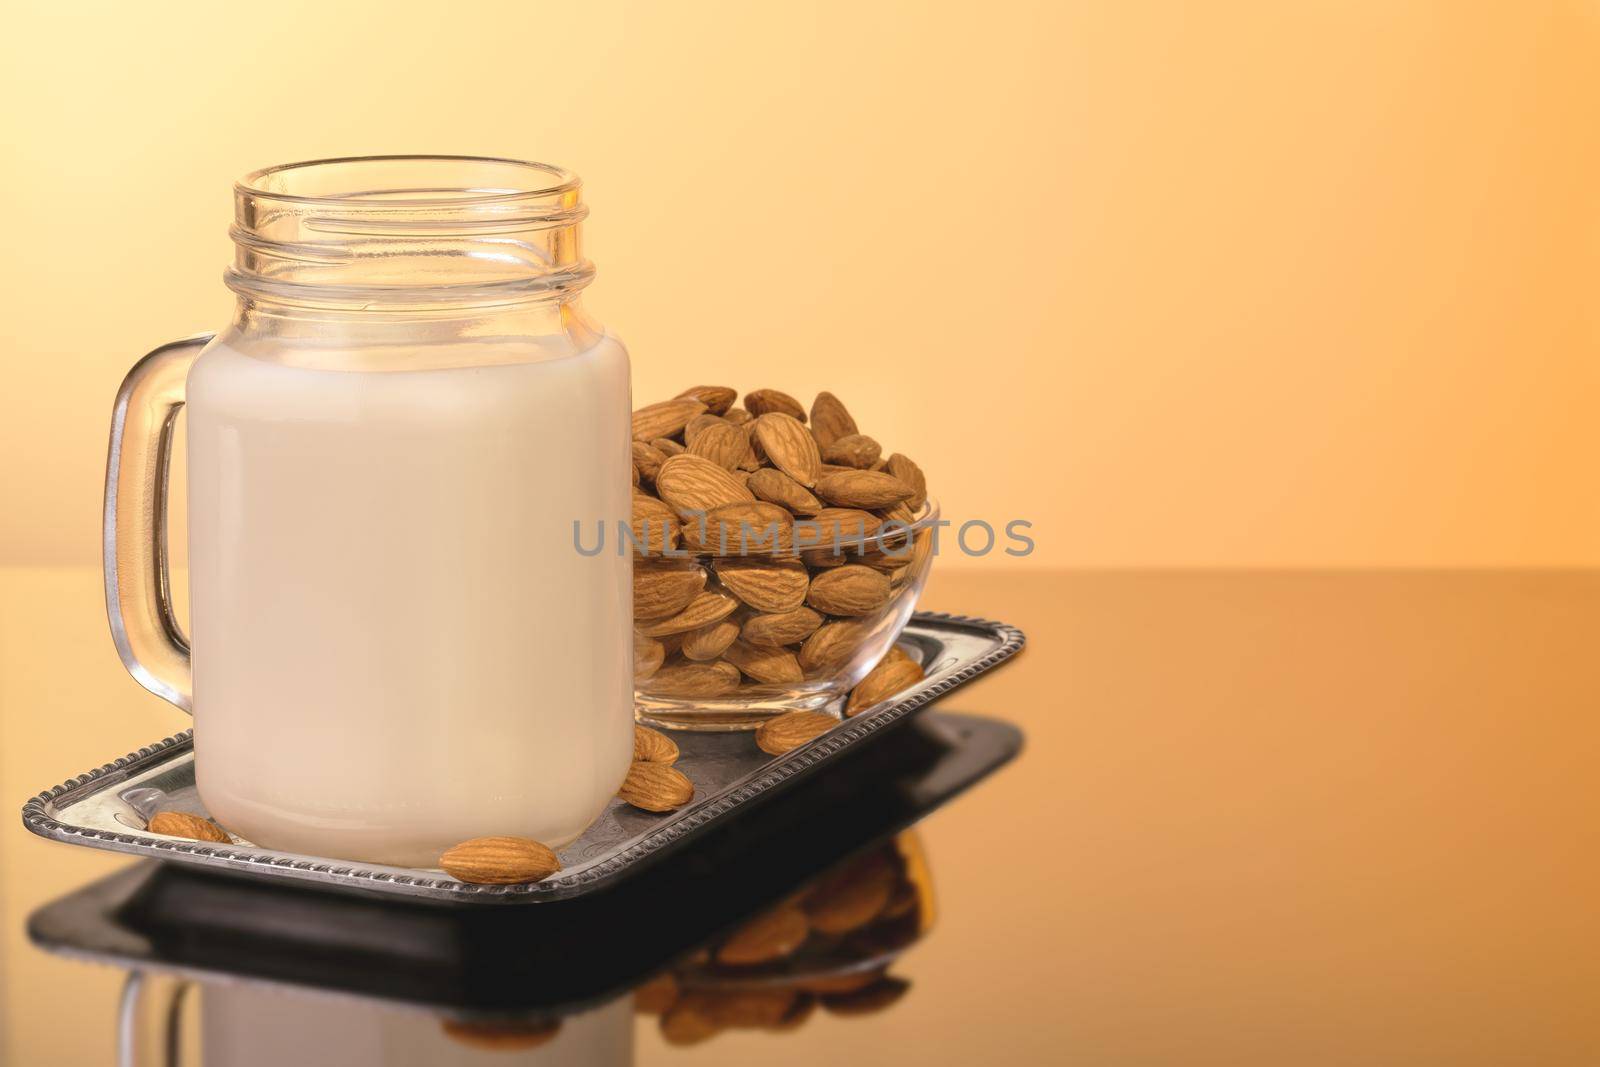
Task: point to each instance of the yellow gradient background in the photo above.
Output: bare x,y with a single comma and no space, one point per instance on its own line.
1239,284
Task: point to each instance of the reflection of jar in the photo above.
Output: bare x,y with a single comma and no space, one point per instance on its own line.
395,645
245,1025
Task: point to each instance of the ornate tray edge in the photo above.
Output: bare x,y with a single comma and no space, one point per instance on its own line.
36,817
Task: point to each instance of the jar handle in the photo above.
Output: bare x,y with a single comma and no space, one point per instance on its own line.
134,531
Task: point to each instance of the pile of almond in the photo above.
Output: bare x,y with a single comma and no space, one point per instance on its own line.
772,541
779,967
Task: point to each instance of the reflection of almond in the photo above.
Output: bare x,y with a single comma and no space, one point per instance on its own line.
656,787
656,995
852,896
652,746
799,1011
767,937
499,861
875,997
501,1037
745,1009
791,730
840,983
683,1024
182,824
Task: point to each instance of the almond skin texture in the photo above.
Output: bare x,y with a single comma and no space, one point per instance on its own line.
655,526
790,446
738,416
856,450
780,627
766,585
723,444
666,419
698,423
667,446
849,590
908,472
767,666
778,933
893,674
706,608
647,460
762,401
776,487
499,861
862,489
693,485
656,787
717,398
653,746
648,655
182,824
689,680
791,730
829,420
660,591
746,529
834,530
709,642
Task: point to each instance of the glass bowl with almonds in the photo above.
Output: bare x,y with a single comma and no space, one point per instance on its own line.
778,554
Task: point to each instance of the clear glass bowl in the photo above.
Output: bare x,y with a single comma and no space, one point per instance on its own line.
690,691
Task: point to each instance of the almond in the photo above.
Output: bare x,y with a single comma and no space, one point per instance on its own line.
688,680
706,608
833,645
791,730
656,787
754,528
182,824
848,982
656,995
653,746
789,445
667,446
854,450
648,655
716,398
764,400
902,513
779,628
665,419
499,861
768,666
660,590
710,642
849,590
766,585
862,489
774,486
655,526
738,416
833,530
893,674
698,423
723,444
693,485
647,460
911,474
829,420
682,1024
778,933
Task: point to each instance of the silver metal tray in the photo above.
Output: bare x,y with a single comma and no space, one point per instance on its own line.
106,808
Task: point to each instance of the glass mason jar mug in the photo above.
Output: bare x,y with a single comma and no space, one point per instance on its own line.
394,646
